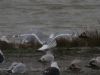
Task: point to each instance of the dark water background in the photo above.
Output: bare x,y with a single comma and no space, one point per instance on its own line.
48,16
22,16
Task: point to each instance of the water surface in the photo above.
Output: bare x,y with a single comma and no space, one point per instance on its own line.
49,16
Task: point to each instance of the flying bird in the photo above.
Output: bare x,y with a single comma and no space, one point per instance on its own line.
52,40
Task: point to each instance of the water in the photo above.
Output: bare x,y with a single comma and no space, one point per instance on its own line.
48,16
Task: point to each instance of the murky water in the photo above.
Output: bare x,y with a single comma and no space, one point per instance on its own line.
47,16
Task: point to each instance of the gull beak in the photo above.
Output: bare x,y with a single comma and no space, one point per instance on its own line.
43,48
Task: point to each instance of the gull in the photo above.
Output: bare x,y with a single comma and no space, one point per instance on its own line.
52,40
17,68
52,70
47,58
75,66
94,63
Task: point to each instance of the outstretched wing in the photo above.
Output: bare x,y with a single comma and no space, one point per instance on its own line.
30,37
53,39
27,38
67,36
50,43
